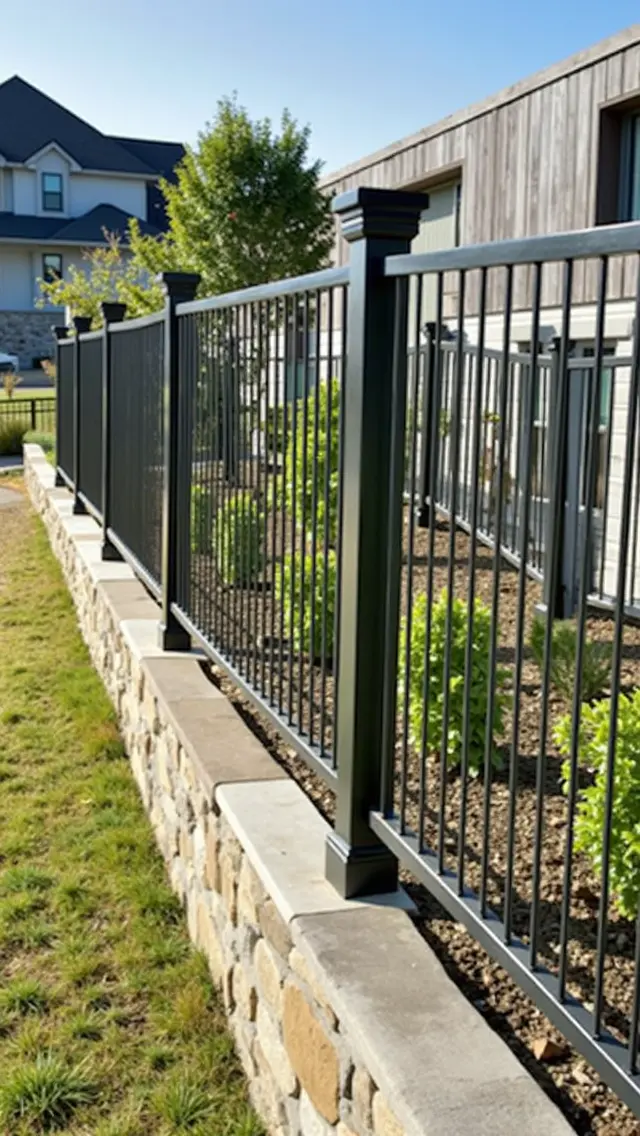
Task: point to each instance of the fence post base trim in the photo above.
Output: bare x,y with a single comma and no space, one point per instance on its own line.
173,637
355,871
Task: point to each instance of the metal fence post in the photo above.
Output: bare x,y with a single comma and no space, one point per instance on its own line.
563,500
376,223
111,313
425,427
81,324
179,287
60,334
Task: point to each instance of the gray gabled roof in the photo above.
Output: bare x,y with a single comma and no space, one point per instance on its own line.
86,230
30,120
162,157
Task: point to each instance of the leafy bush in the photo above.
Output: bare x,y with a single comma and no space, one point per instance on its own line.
12,434
237,539
324,601
46,441
590,812
302,492
596,659
478,694
201,518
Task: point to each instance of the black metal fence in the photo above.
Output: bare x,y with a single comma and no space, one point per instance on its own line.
35,414
65,381
372,522
90,421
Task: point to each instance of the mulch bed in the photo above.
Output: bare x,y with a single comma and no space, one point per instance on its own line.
590,1106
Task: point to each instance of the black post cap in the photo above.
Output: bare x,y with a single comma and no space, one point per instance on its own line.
370,212
112,311
82,324
179,285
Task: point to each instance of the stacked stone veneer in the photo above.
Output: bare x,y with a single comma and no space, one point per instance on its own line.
343,1019
28,334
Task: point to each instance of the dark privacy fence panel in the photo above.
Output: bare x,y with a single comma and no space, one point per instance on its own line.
261,434
64,380
90,410
137,439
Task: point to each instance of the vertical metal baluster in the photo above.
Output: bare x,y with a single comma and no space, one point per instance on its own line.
210,456
314,518
403,377
257,543
228,462
471,596
244,463
632,419
556,509
495,590
293,583
336,619
434,457
213,382
468,387
635,1004
264,315
303,520
635,493
326,536
276,443
607,479
591,434
513,417
236,490
284,488
454,478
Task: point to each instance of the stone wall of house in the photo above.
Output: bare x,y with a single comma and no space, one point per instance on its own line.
28,334
343,1019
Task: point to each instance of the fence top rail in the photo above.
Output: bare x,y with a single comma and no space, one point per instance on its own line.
605,240
67,342
311,282
139,322
89,336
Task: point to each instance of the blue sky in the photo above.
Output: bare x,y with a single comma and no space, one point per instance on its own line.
362,73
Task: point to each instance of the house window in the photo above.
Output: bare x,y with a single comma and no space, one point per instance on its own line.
51,267
630,169
52,193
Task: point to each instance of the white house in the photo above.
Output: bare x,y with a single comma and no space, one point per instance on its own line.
63,184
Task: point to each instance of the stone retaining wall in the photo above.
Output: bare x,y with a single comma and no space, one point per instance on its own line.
344,1020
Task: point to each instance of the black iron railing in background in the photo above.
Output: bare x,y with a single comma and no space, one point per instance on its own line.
35,414
90,422
136,443
64,408
260,429
372,523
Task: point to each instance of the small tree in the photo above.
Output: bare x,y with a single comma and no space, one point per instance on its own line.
246,208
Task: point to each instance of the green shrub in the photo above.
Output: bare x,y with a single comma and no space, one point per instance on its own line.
478,694
590,812
302,492
324,601
46,441
201,518
237,536
596,659
12,433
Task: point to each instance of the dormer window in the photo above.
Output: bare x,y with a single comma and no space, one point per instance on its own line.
52,193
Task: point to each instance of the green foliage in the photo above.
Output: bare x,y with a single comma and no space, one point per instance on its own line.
298,489
290,575
478,693
596,659
201,518
46,441
45,1093
112,273
590,814
246,208
24,996
185,1103
12,434
237,537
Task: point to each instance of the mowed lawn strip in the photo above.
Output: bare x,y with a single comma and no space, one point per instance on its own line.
109,1024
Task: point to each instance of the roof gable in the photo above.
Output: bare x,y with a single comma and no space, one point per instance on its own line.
29,120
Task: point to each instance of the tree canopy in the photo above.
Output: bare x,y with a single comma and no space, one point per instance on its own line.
246,208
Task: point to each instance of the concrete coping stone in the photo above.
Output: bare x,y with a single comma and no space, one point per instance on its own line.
284,836
128,599
438,1063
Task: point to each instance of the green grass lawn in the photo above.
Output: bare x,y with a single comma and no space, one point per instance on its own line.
29,392
109,1024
